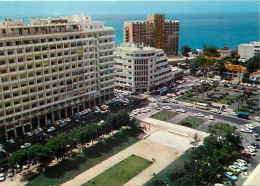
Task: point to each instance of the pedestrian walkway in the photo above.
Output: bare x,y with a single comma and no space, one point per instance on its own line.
145,148
178,118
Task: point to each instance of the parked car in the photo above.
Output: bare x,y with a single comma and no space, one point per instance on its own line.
51,129
165,101
135,112
257,119
241,161
17,169
10,141
246,154
144,110
252,147
250,126
24,146
234,168
250,151
255,145
2,177
168,108
25,167
10,173
246,130
230,176
148,109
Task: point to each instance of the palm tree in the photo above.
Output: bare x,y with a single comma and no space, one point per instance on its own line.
240,100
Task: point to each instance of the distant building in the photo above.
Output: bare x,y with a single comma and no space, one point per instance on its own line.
191,55
255,76
224,53
155,32
52,68
141,69
247,51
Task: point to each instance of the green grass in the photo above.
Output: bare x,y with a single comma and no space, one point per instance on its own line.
121,172
221,129
164,174
71,167
226,100
186,99
164,115
194,121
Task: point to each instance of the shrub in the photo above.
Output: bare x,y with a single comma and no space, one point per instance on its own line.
227,93
234,87
225,85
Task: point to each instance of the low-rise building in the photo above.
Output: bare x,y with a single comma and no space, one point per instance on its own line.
224,53
255,76
141,69
247,51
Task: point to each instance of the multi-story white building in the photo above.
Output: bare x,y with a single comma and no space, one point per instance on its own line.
247,51
140,69
52,68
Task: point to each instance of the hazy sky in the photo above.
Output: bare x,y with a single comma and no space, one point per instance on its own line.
40,8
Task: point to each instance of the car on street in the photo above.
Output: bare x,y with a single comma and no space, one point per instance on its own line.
257,119
199,115
168,108
144,98
188,105
10,141
174,101
180,110
144,110
210,117
157,108
2,177
148,109
51,129
233,113
153,100
255,145
28,134
24,146
135,112
250,126
165,101
216,111
246,130
230,176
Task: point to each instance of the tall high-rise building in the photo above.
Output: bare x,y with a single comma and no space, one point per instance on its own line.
52,68
141,69
155,32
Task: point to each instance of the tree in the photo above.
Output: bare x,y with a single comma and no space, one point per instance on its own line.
195,140
185,49
57,146
253,64
210,51
195,52
19,157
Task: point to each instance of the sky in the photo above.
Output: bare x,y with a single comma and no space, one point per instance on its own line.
40,8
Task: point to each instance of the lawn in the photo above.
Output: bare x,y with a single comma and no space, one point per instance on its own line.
121,172
164,174
186,99
221,129
226,100
194,121
70,168
164,115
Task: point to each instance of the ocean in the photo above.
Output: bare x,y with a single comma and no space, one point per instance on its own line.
210,23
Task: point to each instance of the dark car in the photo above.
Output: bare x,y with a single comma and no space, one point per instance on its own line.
134,93
4,168
255,145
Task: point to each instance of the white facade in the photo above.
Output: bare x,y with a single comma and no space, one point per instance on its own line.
247,51
140,69
53,68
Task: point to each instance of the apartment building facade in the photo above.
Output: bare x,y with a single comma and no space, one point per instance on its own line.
247,51
52,68
141,69
155,32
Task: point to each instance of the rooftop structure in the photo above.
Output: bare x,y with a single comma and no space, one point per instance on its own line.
247,51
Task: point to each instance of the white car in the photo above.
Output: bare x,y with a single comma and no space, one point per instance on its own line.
138,111
233,113
135,112
153,100
2,177
246,130
174,101
188,105
252,147
29,133
148,109
10,141
199,115
24,146
257,119
51,129
241,161
210,117
180,110
234,168
249,126
252,153
25,167
216,111
144,110
168,108
157,108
